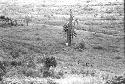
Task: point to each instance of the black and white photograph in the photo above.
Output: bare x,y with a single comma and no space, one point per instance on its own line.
62,42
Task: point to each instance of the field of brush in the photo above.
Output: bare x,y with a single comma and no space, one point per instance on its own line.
95,56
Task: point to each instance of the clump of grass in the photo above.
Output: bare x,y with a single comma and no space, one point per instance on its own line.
22,51
31,73
38,39
118,58
36,34
49,62
51,82
99,47
15,63
59,75
80,46
88,72
48,73
116,80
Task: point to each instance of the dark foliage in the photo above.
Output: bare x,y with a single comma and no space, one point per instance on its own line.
50,62
2,17
117,58
80,46
65,29
117,80
8,21
5,18
99,48
31,83
14,63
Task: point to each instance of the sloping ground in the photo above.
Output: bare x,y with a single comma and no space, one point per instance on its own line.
46,39
104,48
38,40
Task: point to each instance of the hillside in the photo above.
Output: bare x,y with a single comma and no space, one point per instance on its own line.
96,55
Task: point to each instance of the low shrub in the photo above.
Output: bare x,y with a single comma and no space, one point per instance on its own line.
117,80
50,62
14,63
80,46
99,47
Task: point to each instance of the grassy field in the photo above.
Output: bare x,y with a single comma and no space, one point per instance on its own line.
96,54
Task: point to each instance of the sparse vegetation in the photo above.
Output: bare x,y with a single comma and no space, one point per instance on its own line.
8,22
37,53
116,80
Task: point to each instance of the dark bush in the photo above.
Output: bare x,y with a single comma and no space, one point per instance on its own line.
8,21
117,80
2,17
80,46
14,63
117,58
50,62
